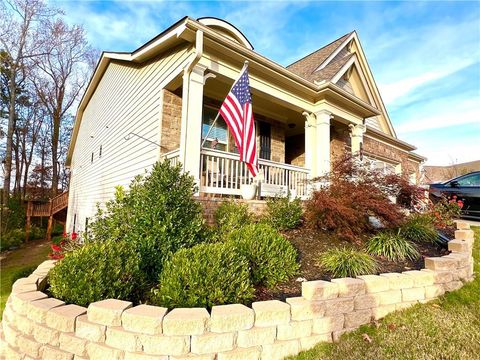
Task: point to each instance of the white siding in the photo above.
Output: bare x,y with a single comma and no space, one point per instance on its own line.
374,122
345,85
127,99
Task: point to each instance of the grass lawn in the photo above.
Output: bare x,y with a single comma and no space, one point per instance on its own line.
447,328
17,263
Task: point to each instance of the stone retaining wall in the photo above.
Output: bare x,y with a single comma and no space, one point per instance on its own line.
35,326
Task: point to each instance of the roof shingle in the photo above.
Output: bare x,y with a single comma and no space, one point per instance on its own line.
306,66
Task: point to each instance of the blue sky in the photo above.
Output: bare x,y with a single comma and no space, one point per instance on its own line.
425,56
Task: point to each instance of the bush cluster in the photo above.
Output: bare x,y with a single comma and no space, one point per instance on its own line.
231,216
225,272
204,275
272,258
97,271
158,215
12,239
347,262
283,213
350,195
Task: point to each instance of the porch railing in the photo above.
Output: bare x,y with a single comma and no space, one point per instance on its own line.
173,156
223,173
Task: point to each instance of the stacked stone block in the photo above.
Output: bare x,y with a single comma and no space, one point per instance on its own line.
37,327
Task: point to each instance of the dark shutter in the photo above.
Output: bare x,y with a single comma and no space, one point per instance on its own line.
265,133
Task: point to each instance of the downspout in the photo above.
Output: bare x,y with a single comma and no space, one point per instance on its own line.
186,91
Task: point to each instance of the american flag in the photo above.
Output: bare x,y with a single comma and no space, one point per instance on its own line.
238,114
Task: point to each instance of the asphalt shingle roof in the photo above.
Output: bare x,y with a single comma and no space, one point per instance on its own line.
306,66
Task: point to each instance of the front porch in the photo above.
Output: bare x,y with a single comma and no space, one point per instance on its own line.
295,139
222,173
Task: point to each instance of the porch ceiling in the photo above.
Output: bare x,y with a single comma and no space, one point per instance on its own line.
263,104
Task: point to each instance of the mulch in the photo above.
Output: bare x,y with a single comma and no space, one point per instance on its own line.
310,244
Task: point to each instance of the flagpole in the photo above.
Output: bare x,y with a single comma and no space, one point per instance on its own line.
210,129
218,113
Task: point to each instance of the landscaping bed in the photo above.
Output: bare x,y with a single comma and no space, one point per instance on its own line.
310,244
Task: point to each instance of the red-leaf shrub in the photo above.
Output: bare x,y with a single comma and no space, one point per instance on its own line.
350,194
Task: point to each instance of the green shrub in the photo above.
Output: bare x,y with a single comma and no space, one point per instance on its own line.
97,271
419,228
37,233
272,258
347,262
57,229
231,216
204,275
13,215
158,214
393,246
12,239
284,214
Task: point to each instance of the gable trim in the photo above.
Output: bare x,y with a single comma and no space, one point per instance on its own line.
349,65
335,53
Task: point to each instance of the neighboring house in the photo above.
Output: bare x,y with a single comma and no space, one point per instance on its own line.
159,101
436,174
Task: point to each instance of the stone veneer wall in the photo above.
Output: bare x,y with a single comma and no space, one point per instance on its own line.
171,121
35,326
210,206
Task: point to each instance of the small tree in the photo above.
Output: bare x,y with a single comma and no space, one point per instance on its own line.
158,214
353,193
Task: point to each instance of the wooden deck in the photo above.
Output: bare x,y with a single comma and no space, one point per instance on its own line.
53,207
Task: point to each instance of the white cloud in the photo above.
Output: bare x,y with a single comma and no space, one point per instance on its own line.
457,114
428,53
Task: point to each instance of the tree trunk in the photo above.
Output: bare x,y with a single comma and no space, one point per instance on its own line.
11,128
55,137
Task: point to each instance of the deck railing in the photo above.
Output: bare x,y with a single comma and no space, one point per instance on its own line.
223,173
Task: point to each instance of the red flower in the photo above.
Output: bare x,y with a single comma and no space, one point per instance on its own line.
74,235
460,204
56,248
56,256
64,235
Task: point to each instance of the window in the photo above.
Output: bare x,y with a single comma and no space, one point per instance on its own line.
469,180
265,134
379,165
218,134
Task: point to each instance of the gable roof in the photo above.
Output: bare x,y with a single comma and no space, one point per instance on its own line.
315,73
306,66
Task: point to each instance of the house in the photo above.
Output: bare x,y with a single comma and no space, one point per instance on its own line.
160,100
435,174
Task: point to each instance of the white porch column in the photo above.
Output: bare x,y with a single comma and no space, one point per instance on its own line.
310,121
191,127
322,143
356,134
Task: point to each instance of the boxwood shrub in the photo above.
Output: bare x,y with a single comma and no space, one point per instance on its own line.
230,216
272,258
97,271
204,275
283,213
